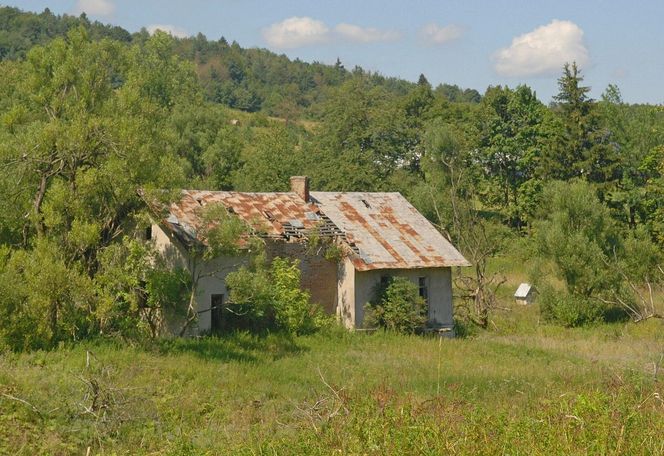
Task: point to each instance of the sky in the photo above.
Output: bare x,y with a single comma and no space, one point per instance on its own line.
471,43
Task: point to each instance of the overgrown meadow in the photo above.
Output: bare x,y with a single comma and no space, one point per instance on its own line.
523,388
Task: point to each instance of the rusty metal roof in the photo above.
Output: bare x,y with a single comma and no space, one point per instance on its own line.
381,230
388,231
267,214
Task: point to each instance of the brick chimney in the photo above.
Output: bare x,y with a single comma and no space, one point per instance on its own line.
300,185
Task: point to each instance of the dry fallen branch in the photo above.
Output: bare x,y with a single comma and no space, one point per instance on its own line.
335,393
324,408
24,402
644,306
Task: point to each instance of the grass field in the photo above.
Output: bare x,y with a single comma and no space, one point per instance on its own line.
522,388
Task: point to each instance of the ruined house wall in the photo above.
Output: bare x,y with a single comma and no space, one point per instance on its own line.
319,276
212,275
338,287
439,285
346,293
175,255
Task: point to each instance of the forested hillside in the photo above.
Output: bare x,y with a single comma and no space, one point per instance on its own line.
247,79
90,114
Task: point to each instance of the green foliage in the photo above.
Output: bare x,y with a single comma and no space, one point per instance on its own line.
43,301
464,329
514,130
273,296
582,148
19,31
454,93
137,291
578,235
272,157
328,246
642,257
568,309
247,79
208,142
225,234
397,306
366,136
251,293
292,309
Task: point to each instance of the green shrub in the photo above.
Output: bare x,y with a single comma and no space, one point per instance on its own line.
293,310
568,309
464,329
43,301
136,291
397,306
271,298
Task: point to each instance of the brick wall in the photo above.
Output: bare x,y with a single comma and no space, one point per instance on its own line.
319,276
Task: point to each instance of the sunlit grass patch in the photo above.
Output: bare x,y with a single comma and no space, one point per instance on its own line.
535,390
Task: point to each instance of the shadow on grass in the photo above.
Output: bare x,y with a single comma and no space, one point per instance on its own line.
615,314
232,347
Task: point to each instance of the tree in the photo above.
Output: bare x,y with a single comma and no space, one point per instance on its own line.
641,269
268,161
578,235
635,198
448,194
211,146
137,292
74,166
43,300
419,100
514,132
583,148
365,136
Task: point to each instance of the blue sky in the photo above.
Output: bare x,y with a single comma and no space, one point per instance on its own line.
471,43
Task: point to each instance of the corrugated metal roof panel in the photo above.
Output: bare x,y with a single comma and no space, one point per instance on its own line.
388,231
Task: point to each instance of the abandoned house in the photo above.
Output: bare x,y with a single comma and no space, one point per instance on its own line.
379,234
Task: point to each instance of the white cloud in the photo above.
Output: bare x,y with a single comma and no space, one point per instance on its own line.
543,51
359,34
295,32
174,30
95,7
436,34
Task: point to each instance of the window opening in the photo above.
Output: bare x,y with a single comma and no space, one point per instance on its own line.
423,288
216,315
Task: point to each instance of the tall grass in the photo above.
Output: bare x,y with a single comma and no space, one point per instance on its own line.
522,388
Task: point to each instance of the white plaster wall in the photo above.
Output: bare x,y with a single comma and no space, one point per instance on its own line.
346,293
212,274
213,281
170,248
439,287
